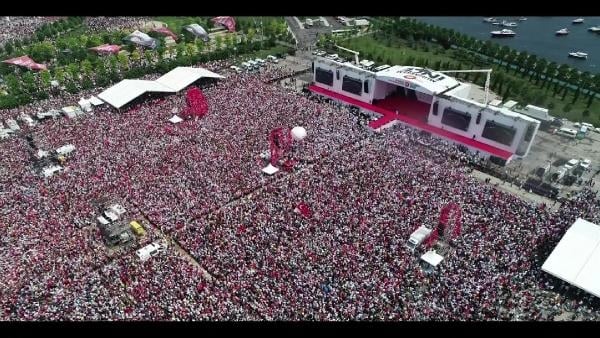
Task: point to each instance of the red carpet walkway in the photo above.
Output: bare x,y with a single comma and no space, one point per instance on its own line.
388,116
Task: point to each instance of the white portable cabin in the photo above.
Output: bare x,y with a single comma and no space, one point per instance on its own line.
65,150
151,250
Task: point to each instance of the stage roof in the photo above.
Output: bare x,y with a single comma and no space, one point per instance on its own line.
181,77
576,258
420,79
177,79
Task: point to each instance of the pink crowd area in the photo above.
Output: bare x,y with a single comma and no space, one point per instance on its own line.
250,255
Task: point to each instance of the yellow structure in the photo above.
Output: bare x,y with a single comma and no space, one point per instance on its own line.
137,228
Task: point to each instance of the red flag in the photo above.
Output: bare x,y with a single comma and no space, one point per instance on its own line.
304,210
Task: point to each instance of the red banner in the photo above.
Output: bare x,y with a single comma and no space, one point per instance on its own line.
27,62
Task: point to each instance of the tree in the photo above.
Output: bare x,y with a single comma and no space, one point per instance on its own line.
136,57
218,42
550,74
123,61
45,78
8,47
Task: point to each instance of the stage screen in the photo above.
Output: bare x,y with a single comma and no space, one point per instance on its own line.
352,85
499,132
324,76
456,119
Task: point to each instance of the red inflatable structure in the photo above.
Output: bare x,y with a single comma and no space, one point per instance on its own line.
450,221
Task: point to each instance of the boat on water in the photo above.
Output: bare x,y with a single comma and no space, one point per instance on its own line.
578,55
490,20
505,33
509,24
595,29
563,31
578,20
496,23
522,18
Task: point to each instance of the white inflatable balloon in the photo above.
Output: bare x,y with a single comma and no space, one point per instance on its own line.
298,133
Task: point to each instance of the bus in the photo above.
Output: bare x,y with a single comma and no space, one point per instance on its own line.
567,132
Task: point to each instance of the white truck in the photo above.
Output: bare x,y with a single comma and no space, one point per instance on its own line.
418,236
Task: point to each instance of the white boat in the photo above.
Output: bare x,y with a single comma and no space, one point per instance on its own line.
490,20
578,20
595,29
563,31
522,18
496,23
505,33
509,24
579,55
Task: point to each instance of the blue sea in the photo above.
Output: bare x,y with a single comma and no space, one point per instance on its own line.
536,36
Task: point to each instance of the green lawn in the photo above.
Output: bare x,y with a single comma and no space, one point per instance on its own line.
400,51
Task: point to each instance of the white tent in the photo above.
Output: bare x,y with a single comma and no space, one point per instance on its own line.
95,101
49,171
127,90
576,258
172,82
175,119
181,77
66,149
71,111
270,169
85,105
432,257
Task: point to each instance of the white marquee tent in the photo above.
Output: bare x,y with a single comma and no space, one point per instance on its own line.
172,82
576,258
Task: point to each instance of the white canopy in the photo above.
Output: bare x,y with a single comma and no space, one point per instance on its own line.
432,257
85,105
95,101
270,170
175,119
127,90
172,82
576,258
181,77
49,171
66,149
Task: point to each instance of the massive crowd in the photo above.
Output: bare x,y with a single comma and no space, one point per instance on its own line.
18,27
199,182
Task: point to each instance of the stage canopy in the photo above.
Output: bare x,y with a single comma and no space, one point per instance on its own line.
172,82
576,258
165,31
27,62
433,258
420,79
106,49
198,31
142,39
226,21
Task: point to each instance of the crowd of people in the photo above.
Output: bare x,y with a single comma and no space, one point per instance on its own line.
18,27
110,23
200,183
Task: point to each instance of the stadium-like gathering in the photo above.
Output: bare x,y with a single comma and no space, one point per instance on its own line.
239,249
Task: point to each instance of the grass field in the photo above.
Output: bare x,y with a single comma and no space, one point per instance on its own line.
403,52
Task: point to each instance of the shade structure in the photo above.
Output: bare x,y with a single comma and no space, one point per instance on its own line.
142,39
198,31
165,31
106,49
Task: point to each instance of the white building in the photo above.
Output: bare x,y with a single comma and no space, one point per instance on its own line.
430,101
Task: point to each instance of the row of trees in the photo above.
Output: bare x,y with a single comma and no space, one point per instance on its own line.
536,70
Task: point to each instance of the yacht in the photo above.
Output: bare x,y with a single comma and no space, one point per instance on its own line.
509,24
490,20
563,31
579,20
496,23
522,18
505,33
595,29
579,55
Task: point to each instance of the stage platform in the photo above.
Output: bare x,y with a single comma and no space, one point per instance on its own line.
412,118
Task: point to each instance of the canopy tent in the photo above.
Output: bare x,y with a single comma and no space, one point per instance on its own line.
27,62
172,82
165,31
198,31
175,119
106,49
85,105
127,90
181,77
417,78
226,21
95,101
576,258
142,39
